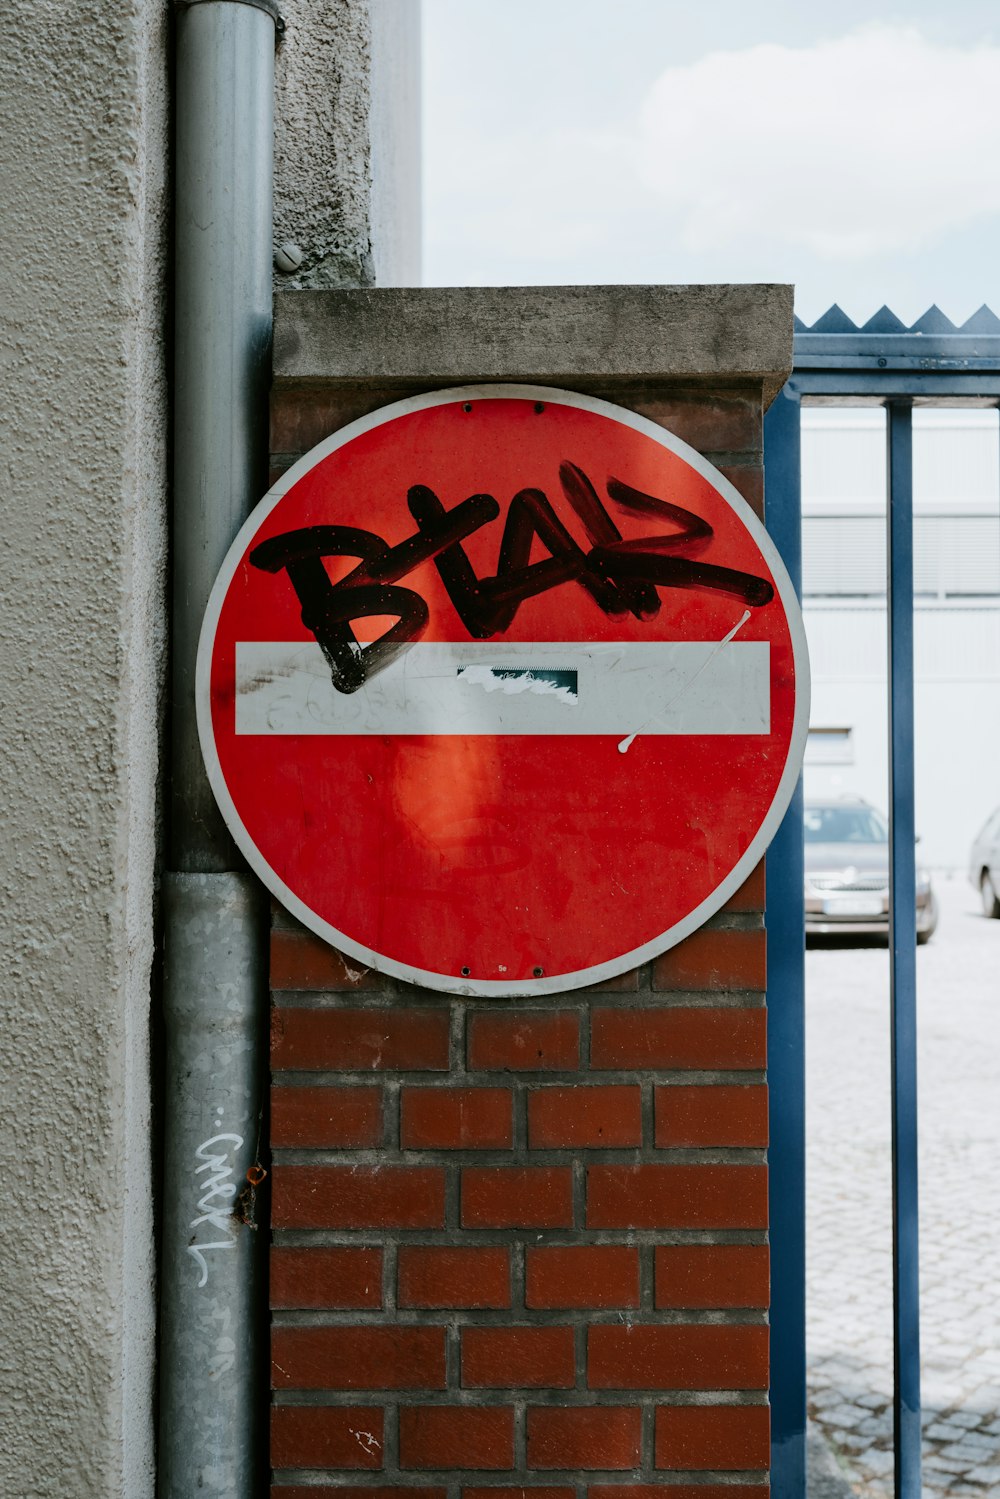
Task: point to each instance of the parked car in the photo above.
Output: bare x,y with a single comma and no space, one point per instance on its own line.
847,872
984,865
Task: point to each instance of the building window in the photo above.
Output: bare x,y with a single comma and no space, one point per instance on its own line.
830,747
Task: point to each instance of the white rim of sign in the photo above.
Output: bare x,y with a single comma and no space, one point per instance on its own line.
448,983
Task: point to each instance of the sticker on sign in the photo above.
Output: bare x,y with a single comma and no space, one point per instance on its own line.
503,690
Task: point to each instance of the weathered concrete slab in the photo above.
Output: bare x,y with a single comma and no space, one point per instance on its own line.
574,334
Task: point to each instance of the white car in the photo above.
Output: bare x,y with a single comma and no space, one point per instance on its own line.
984,865
847,873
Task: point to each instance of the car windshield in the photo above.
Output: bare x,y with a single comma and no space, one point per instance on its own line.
844,825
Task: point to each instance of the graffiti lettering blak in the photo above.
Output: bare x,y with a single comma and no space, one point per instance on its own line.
622,577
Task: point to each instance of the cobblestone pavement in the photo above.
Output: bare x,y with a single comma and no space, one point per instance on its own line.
849,1203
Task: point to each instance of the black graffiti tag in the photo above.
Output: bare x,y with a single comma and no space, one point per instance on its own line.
622,577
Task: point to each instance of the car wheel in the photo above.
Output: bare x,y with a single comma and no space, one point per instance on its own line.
991,904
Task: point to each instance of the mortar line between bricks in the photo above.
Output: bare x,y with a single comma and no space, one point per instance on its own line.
647,1096
520,1436
385,1116
323,1077
518,1273
338,999
534,1399
424,1003
390,1439
647,1439
693,999
579,1195
373,1158
562,999
734,921
532,1478
452,1196
734,457
636,1000
444,1316
453,1353
647,1279
368,1236
586,1022
580,1354
392,1110
456,1040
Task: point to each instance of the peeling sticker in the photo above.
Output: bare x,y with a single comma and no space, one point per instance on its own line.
553,682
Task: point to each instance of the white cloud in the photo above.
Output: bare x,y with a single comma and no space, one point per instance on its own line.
864,169
540,196
876,142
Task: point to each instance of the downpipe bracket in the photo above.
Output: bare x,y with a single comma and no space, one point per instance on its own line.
269,7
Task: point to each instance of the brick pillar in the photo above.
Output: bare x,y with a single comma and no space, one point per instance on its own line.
523,1243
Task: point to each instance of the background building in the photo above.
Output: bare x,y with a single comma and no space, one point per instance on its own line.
957,615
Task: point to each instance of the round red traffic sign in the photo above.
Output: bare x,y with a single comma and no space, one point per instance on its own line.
503,690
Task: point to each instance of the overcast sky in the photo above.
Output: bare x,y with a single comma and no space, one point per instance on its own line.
852,148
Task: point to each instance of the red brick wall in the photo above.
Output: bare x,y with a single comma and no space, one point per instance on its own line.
523,1243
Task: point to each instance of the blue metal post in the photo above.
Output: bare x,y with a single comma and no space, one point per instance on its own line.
786,1021
902,955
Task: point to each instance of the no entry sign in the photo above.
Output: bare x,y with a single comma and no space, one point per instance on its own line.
503,690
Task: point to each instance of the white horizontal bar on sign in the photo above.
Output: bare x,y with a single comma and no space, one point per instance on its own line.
653,687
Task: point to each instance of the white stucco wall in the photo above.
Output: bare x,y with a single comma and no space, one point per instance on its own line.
347,142
83,127
84,157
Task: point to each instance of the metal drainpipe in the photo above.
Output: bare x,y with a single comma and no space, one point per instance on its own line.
214,983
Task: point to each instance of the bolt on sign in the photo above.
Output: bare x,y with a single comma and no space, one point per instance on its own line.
503,690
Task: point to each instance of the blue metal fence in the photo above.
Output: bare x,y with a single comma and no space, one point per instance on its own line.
786,1018
883,363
